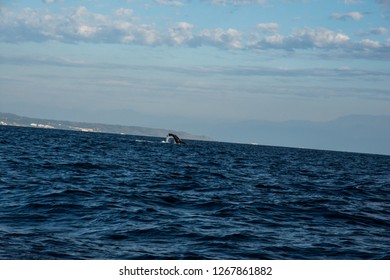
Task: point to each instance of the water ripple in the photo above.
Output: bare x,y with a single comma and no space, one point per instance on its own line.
69,195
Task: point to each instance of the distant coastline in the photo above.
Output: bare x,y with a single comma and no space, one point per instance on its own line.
16,120
351,133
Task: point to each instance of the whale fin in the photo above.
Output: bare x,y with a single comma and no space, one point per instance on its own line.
176,138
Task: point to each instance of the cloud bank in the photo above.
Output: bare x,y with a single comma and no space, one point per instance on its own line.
345,16
170,3
384,2
121,26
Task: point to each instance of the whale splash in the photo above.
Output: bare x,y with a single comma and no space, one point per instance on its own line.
172,138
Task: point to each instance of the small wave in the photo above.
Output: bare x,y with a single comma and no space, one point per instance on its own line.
134,234
102,196
69,193
144,141
236,237
82,165
268,187
4,142
359,219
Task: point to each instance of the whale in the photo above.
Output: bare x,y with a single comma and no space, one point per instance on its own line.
175,138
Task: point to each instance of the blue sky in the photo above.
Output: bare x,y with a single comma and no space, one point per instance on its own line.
208,60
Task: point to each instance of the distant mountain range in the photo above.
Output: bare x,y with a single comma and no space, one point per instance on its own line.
352,133
16,120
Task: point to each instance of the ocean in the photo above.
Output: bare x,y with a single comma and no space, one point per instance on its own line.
76,195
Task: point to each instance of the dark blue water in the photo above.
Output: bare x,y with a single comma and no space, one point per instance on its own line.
73,195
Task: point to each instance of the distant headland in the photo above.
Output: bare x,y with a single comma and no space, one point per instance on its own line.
16,120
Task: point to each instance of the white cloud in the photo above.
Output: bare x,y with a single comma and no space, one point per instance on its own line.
181,33
323,37
170,3
370,43
124,12
237,2
345,16
268,27
75,25
219,37
375,31
52,1
246,2
123,27
275,40
86,31
351,2
304,39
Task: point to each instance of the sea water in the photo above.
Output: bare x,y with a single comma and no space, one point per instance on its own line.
75,195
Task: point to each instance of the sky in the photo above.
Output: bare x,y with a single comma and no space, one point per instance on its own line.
153,62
